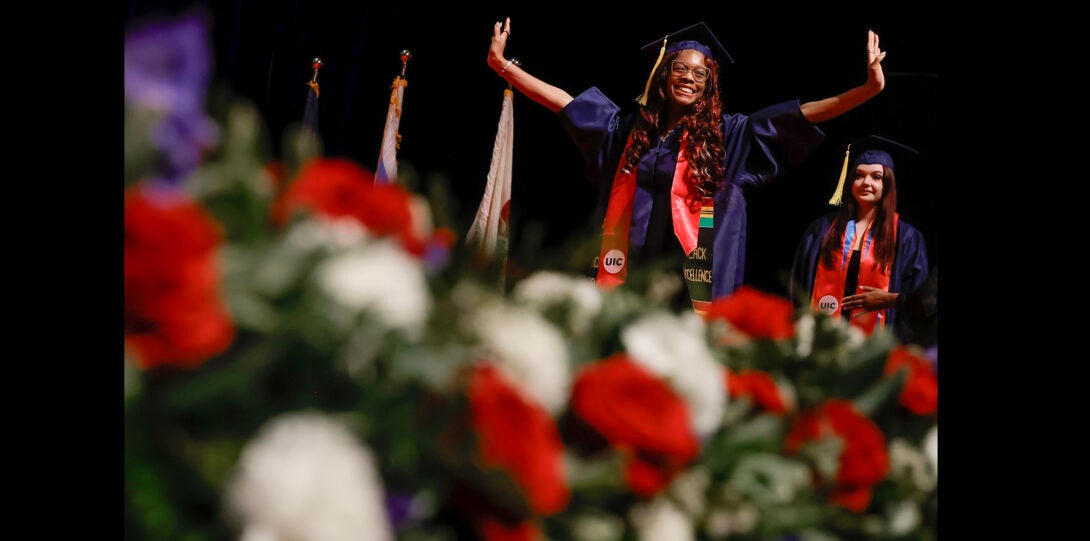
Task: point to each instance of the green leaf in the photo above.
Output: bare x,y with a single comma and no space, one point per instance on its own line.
879,395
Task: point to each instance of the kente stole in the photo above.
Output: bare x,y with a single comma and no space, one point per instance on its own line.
829,283
693,226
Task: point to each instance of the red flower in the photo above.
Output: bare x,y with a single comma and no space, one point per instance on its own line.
640,416
759,387
920,393
519,438
864,460
758,314
341,188
174,314
491,529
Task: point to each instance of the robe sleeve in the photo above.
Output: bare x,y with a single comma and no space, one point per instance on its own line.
918,312
595,124
911,264
913,323
779,139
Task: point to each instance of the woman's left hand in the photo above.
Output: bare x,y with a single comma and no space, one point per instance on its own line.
869,300
876,79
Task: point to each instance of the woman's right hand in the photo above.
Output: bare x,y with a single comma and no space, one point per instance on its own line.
537,90
500,33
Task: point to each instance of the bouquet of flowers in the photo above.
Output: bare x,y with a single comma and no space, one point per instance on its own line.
309,356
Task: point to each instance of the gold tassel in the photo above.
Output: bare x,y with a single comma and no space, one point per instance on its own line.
647,88
835,200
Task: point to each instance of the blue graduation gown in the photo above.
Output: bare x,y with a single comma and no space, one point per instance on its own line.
759,147
908,272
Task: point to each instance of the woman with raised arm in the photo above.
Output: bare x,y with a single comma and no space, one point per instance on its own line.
671,173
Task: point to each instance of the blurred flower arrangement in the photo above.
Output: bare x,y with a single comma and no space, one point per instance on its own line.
309,357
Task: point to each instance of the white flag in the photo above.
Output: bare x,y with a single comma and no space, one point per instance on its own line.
386,172
490,230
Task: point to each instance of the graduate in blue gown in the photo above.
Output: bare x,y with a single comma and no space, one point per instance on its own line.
672,175
857,262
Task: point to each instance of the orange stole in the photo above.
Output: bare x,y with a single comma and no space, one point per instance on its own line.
612,261
692,226
829,283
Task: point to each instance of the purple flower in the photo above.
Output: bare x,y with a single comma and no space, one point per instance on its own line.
399,508
168,69
436,254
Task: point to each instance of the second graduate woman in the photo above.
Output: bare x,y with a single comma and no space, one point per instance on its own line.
671,175
856,262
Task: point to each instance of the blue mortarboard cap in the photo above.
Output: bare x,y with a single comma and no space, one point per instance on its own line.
695,36
875,149
870,150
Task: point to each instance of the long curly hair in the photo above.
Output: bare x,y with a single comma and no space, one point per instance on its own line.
701,128
885,239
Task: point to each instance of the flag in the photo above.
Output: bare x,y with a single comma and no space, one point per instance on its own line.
310,110
490,231
386,172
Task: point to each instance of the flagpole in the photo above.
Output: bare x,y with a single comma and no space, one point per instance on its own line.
386,172
504,241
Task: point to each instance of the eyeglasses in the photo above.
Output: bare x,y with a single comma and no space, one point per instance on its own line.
680,68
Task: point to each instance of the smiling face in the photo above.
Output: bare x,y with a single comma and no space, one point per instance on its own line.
681,83
868,184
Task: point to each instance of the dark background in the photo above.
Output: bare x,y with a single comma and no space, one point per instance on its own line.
263,51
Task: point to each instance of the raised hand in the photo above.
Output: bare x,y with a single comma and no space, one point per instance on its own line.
875,77
500,33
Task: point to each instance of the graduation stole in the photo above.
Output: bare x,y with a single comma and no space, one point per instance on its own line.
829,283
692,225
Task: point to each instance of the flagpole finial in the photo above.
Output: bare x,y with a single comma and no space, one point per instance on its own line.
405,56
316,63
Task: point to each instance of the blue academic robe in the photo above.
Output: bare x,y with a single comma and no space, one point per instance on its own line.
759,147
908,272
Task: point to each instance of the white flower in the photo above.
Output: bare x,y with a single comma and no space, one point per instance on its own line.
909,465
663,286
721,522
856,336
931,448
529,350
597,527
904,516
675,348
689,488
314,233
804,333
305,477
545,289
660,519
382,279
770,478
